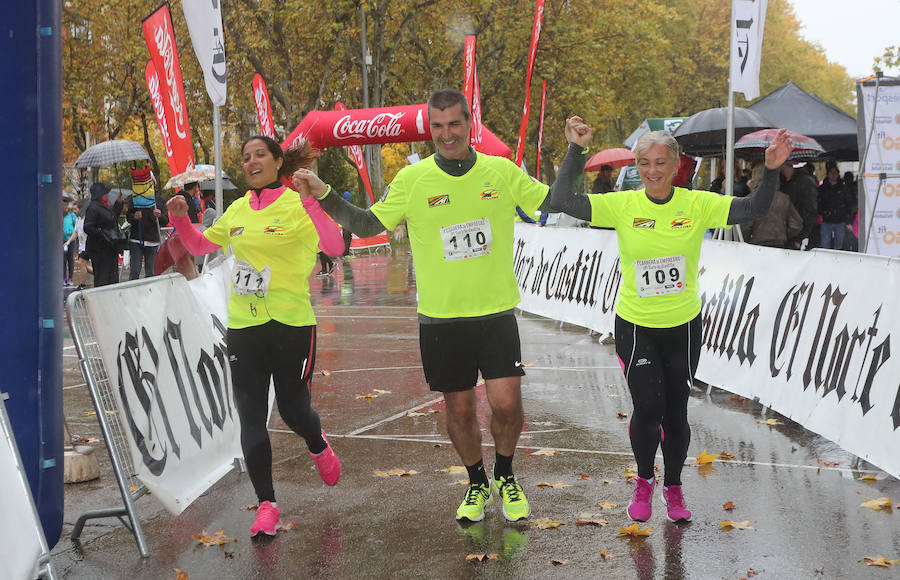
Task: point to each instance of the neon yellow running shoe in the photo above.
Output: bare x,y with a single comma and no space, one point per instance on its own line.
515,506
478,498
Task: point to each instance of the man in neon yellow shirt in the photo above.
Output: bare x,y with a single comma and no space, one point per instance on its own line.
460,206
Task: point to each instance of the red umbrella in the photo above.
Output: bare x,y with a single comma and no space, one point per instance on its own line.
754,144
617,157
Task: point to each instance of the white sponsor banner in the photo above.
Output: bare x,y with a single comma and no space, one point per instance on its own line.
204,20
20,531
748,19
808,333
163,345
881,115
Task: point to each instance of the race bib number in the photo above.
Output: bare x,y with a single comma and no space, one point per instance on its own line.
659,276
246,280
467,240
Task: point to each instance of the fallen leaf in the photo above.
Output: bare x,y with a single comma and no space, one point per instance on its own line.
556,562
397,471
607,481
180,574
546,523
289,526
769,422
380,392
585,477
868,478
552,484
481,557
882,503
604,554
879,561
726,456
367,396
455,469
629,475
416,414
634,531
326,373
217,539
621,415
728,506
599,522
605,505
546,452
751,572
730,525
251,507
705,458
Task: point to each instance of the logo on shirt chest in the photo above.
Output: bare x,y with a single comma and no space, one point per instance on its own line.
274,230
438,200
681,224
644,223
490,193
235,232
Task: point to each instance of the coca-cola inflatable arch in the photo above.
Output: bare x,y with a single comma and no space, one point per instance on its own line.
371,126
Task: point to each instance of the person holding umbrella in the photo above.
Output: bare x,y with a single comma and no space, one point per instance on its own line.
146,212
275,235
660,230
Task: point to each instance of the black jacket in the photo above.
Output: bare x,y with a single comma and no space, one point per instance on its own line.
146,229
835,203
97,219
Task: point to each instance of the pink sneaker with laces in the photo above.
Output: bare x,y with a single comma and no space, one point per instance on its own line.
268,520
639,508
327,463
673,499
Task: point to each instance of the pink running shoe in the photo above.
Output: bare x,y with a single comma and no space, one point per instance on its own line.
674,501
268,520
639,508
327,463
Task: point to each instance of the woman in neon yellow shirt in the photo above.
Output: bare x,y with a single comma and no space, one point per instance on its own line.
660,230
275,235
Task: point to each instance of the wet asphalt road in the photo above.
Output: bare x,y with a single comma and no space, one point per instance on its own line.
805,516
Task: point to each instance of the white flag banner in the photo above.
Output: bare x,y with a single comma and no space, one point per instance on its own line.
204,20
748,19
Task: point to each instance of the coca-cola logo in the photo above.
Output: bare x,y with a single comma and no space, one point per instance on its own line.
380,126
163,38
262,110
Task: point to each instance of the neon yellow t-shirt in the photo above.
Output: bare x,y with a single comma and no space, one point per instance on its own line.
282,237
659,247
461,232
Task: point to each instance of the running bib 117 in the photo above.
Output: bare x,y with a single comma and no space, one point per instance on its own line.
658,276
246,280
467,240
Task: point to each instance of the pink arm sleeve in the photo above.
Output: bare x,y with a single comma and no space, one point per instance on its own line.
195,242
330,240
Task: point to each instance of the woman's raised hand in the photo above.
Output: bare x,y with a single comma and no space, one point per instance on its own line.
779,150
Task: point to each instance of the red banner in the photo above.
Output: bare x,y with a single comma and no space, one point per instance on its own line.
263,106
537,165
356,153
160,38
384,125
156,98
532,53
472,90
469,68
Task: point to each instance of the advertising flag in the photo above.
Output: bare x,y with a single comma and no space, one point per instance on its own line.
204,21
472,90
263,106
532,53
359,159
159,109
537,165
160,39
748,19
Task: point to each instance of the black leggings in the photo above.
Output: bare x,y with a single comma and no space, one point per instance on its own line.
287,355
659,365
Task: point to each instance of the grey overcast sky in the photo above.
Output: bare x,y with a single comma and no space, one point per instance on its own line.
851,33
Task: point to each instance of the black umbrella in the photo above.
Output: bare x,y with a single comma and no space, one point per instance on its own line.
110,152
703,134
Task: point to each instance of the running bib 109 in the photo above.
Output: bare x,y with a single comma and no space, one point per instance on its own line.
467,240
246,280
658,276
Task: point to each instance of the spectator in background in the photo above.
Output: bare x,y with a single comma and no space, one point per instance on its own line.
835,207
83,266
603,183
799,186
69,235
101,224
146,214
781,224
739,187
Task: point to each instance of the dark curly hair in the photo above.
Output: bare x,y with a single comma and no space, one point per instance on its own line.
299,155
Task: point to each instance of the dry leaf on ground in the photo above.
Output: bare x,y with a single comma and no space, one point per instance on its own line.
629,475
416,414
879,561
726,456
556,562
621,415
366,396
552,484
546,523
251,507
604,554
882,503
769,422
481,557
730,525
455,469
728,506
868,478
751,572
180,574
585,477
599,522
216,539
547,452
326,373
705,458
397,471
380,392
605,505
634,531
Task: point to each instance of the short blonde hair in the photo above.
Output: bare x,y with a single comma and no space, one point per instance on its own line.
652,138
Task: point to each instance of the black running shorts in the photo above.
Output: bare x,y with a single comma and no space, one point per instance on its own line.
454,352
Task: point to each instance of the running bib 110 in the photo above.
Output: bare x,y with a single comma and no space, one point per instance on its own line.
658,276
246,280
467,240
